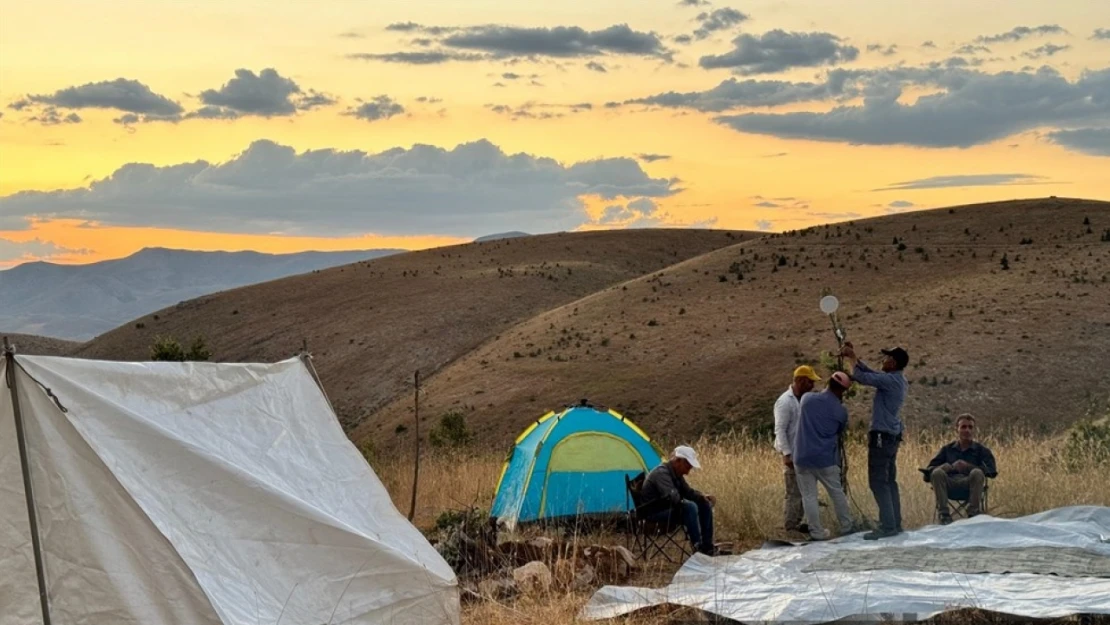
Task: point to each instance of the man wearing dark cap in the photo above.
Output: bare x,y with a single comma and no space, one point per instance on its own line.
885,435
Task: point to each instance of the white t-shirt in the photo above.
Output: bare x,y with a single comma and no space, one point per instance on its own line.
787,410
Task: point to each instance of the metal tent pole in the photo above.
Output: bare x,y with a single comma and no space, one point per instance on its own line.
32,517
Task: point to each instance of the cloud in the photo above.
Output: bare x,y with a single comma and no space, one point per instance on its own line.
510,76
890,50
768,204
965,180
970,48
351,35
836,216
429,100
763,225
211,112
683,39
538,110
694,3
1095,141
413,27
121,94
431,57
266,94
775,155
733,93
778,50
1021,32
594,66
35,249
1101,33
928,44
717,19
1047,49
558,41
380,107
469,190
651,158
972,108
50,116
901,204
639,213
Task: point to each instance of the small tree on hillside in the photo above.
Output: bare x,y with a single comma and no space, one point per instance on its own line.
166,348
451,431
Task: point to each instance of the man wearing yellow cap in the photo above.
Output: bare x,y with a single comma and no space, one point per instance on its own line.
787,409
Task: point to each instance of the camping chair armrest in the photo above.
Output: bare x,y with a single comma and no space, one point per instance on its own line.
653,507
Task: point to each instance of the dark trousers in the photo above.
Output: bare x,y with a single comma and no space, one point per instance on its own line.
698,519
882,477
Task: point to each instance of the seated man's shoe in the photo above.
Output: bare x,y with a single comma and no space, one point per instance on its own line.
824,535
945,519
880,533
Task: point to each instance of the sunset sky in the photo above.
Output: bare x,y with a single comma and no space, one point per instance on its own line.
342,124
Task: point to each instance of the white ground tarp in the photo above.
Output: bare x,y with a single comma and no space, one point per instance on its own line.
1046,565
202,493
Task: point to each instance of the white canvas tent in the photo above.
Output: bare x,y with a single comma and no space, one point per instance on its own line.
198,493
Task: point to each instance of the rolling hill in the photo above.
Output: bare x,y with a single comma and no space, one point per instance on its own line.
78,302
1004,309
370,325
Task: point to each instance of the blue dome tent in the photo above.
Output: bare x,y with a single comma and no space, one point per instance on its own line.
572,463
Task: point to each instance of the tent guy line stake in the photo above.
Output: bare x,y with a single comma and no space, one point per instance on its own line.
416,467
32,518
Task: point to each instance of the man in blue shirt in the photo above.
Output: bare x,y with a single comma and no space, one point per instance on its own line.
816,453
885,435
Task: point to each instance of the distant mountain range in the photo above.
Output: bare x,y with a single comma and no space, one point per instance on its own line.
78,302
514,234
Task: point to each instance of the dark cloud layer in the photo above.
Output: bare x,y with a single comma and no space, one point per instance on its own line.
472,189
1095,141
778,50
734,93
972,108
1048,49
558,41
1101,33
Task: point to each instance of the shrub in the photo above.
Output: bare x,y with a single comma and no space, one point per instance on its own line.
451,431
1087,445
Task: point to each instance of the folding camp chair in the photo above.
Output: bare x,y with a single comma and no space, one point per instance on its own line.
958,498
650,537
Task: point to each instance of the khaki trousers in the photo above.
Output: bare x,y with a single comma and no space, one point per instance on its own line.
792,512
970,485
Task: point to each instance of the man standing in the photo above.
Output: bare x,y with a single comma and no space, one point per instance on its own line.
787,409
885,434
961,467
666,492
817,454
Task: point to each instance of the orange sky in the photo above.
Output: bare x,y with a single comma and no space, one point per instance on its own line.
180,49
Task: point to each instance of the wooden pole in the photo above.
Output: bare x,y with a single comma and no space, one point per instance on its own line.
32,517
416,465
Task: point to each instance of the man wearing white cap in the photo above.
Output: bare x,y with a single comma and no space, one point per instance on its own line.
666,487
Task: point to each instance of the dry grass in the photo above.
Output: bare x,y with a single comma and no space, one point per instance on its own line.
747,479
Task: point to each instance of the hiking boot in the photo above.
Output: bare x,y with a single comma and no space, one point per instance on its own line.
945,519
803,528
880,533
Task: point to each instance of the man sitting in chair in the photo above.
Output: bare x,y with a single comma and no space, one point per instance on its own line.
963,465
667,483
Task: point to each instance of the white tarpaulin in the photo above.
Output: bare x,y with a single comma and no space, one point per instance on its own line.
1046,565
202,493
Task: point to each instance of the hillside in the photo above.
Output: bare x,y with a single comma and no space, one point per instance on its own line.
80,301
40,345
709,343
370,325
